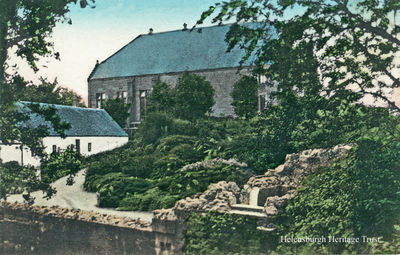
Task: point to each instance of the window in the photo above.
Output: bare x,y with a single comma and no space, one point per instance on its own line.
261,103
89,147
100,97
54,148
123,95
78,145
143,101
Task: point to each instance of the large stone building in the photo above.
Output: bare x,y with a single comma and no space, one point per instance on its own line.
132,71
92,131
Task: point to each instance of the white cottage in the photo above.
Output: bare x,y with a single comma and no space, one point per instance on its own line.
92,131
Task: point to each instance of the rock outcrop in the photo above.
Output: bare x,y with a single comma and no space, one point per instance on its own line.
213,162
275,187
218,197
279,185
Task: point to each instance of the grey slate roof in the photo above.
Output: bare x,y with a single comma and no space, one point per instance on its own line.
83,121
174,51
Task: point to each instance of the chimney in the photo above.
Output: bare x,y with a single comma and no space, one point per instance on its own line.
184,26
150,31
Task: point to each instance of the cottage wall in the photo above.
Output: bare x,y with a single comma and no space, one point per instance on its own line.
98,144
222,81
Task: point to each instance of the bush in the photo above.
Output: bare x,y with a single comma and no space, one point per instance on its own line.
140,166
113,187
150,200
245,97
118,110
216,233
357,196
16,179
194,180
162,99
61,164
194,97
155,126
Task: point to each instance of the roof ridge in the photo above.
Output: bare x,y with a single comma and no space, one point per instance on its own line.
62,105
142,35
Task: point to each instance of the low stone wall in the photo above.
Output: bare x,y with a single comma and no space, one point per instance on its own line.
44,230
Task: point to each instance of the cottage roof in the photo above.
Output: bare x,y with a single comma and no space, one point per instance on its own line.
174,51
83,121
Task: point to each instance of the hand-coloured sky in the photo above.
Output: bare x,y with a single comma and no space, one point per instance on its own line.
97,33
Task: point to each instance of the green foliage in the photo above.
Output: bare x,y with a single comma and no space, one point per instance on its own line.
194,97
161,99
357,196
158,153
15,179
154,126
118,110
58,165
215,233
194,180
318,34
150,200
27,26
113,187
44,92
245,97
18,179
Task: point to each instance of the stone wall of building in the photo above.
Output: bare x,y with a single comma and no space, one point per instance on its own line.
222,81
60,231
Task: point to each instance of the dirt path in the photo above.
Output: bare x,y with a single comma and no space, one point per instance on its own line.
75,197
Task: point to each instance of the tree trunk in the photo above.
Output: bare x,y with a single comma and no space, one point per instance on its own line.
4,7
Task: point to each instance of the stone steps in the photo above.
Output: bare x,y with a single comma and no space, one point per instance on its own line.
266,229
248,208
257,215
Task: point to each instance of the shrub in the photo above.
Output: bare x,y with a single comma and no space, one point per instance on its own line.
194,97
190,181
169,142
150,200
357,196
118,110
245,97
155,126
216,233
113,187
141,166
16,179
61,164
162,98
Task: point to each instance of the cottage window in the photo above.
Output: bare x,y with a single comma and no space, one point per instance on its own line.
54,148
100,97
78,145
89,147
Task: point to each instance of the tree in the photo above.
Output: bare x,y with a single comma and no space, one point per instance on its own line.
161,99
194,97
353,43
118,110
26,26
244,95
45,92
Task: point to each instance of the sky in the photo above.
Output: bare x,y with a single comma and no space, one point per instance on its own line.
97,33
